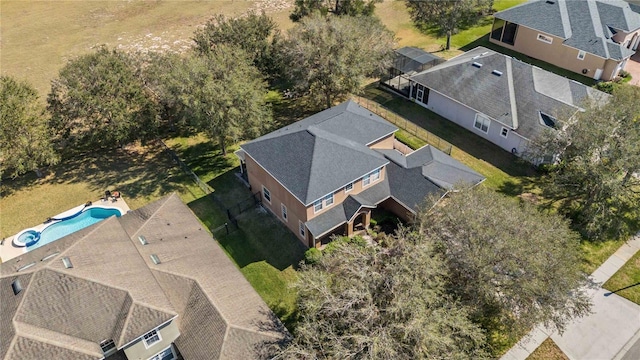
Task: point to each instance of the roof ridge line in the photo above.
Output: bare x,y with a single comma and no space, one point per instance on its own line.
50,341
65,251
512,94
126,323
254,331
150,217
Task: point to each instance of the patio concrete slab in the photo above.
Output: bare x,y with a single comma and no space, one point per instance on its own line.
601,335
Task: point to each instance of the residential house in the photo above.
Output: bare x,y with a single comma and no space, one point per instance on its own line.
152,284
499,98
324,174
595,38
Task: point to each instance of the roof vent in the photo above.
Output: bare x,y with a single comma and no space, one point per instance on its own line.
16,286
25,267
67,262
155,259
143,240
477,64
50,256
496,72
551,2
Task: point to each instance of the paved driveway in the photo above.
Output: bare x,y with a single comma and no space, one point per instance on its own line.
633,67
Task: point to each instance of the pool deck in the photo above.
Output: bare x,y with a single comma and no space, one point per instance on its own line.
8,250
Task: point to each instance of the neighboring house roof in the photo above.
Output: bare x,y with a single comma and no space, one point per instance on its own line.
322,153
409,180
586,25
115,291
410,59
506,89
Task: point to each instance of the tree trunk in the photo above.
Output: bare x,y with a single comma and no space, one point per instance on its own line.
328,99
223,146
448,46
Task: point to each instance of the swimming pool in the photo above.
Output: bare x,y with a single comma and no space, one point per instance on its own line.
34,239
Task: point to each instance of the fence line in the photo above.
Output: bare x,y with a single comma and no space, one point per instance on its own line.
405,124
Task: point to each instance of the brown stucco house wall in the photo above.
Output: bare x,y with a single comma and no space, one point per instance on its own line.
590,37
331,169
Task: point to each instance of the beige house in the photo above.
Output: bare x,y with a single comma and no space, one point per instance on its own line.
595,38
324,174
151,284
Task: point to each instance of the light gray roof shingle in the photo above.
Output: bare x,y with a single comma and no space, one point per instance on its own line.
530,90
584,24
114,291
323,152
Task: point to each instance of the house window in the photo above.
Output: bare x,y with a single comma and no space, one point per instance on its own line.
151,338
581,54
348,188
267,194
482,123
504,132
547,120
545,38
328,200
422,94
371,177
301,228
166,354
284,212
317,206
107,345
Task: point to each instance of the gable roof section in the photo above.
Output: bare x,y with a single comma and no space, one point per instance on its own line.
514,98
585,25
322,153
114,291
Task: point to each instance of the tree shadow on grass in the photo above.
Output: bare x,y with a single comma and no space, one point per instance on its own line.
136,171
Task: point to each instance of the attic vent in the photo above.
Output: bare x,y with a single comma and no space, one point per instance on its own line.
16,286
143,240
496,72
50,256
67,262
477,64
155,259
25,267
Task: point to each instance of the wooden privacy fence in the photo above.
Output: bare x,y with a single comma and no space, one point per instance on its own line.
405,124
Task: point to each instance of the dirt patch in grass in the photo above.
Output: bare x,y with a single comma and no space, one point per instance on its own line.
548,350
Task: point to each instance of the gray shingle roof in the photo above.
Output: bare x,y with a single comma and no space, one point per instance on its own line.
409,179
323,152
514,98
114,291
584,24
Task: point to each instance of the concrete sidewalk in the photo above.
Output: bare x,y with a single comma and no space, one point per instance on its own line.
609,332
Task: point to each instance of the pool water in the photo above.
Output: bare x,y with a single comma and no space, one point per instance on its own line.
69,226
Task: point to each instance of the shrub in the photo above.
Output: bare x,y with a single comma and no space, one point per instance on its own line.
606,86
312,256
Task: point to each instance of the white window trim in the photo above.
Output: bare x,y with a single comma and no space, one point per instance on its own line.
581,54
315,206
483,117
301,229
503,134
283,210
545,38
326,199
368,179
146,344
266,191
163,350
348,188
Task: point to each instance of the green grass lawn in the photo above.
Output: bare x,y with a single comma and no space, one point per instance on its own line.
264,249
628,275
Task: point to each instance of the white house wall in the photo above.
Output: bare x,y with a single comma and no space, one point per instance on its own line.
465,117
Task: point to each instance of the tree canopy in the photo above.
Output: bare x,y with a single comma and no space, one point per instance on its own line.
337,7
329,58
515,266
223,95
256,34
596,179
99,100
25,143
369,302
446,16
